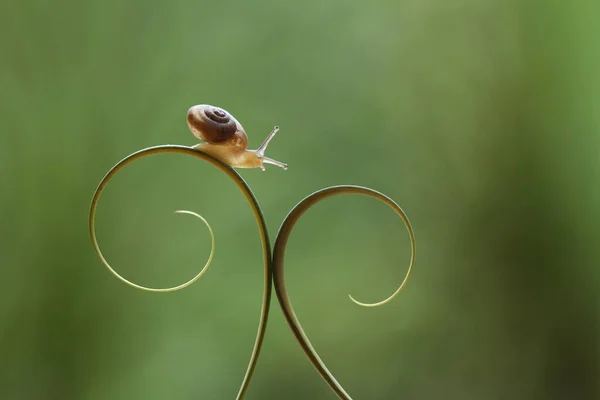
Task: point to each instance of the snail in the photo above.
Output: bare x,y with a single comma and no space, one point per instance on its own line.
225,139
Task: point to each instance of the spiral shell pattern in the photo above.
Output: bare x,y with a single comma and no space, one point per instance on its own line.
211,124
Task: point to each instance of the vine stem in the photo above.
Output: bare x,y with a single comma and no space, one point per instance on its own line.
278,270
260,220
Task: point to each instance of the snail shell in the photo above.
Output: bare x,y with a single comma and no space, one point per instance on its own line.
216,126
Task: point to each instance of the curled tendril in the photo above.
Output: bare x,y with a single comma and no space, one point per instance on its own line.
260,220
149,289
278,271
273,264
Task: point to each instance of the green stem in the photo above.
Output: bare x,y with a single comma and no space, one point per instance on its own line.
260,220
278,270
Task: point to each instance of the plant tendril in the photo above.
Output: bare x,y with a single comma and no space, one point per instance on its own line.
168,289
273,263
267,284
278,271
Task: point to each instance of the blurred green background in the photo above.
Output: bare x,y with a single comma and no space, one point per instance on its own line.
480,118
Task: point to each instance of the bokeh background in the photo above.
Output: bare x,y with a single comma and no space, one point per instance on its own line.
480,118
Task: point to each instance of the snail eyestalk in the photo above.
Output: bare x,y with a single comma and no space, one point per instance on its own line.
263,147
262,230
260,152
279,280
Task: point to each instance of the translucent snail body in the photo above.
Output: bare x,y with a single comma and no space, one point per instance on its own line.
225,139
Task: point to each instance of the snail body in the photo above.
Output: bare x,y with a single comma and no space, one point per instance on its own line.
225,139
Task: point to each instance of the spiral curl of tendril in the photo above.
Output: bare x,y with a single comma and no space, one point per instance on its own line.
273,263
278,271
262,229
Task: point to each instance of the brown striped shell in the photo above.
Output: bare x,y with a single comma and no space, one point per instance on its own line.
216,126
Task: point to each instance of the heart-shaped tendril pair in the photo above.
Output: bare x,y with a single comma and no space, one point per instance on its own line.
273,262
